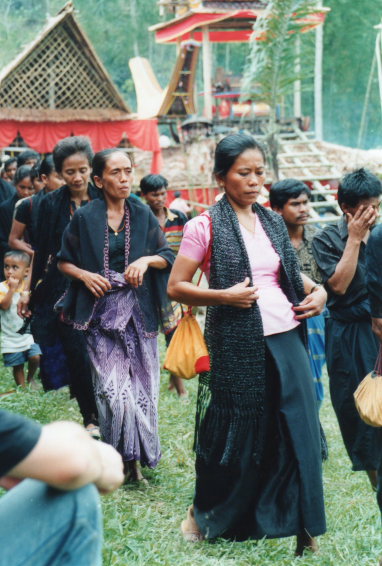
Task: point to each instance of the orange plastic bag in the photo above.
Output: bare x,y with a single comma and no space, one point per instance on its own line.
187,354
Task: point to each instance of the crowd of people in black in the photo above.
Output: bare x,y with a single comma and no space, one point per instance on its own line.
92,272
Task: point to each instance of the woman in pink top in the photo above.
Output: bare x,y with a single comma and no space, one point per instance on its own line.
257,441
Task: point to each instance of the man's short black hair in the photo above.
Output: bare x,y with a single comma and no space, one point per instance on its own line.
282,191
358,185
24,156
151,183
20,255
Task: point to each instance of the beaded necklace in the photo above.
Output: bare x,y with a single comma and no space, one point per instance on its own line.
126,224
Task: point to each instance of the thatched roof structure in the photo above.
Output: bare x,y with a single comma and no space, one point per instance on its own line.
60,78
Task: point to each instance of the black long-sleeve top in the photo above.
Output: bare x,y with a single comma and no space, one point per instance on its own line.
374,271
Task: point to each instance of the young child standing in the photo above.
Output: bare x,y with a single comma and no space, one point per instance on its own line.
16,348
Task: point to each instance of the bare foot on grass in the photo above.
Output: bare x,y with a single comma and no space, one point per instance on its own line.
305,542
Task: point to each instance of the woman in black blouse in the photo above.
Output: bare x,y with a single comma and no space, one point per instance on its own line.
72,159
118,260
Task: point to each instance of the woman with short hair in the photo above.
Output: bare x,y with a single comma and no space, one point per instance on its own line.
118,260
72,160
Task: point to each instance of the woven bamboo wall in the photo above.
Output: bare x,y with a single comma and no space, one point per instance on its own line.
57,74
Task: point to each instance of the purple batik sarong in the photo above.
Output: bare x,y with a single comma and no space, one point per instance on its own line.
125,368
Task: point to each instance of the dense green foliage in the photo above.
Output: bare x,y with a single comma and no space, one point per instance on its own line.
349,47
118,30
142,525
271,71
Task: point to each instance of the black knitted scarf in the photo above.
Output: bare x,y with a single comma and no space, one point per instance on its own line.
231,395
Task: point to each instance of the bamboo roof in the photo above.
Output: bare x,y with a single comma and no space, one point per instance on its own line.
59,77
180,7
233,4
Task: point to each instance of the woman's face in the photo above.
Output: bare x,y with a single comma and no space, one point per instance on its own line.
52,181
24,188
245,178
76,172
38,184
117,177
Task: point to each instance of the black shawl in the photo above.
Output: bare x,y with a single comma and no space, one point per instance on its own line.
7,208
231,396
7,190
52,219
83,244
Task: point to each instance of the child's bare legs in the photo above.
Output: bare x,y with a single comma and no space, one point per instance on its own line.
18,374
33,365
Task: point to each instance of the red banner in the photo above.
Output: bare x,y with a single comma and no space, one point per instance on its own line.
43,136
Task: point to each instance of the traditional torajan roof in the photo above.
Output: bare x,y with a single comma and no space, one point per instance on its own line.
180,7
177,99
228,21
60,78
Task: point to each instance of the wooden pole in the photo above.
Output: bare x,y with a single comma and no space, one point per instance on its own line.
378,54
318,121
297,84
207,73
362,128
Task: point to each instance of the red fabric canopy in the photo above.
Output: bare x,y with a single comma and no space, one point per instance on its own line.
43,136
181,29
188,27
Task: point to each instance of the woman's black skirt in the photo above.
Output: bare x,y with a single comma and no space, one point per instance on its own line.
283,496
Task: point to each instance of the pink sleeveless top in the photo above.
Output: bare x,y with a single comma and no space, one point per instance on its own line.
276,311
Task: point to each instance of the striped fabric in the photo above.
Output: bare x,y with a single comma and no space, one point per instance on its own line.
173,228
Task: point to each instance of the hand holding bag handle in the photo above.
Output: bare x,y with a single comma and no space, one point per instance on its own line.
187,354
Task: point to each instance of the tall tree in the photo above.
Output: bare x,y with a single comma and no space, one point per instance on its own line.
271,72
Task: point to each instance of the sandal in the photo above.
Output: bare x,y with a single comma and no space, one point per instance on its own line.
189,527
94,431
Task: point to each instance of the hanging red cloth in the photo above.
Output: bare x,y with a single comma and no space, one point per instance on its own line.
43,136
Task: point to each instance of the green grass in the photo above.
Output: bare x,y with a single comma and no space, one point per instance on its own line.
142,523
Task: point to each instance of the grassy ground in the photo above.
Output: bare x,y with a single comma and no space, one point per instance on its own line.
142,524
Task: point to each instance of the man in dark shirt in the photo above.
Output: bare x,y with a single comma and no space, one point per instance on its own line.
374,278
54,516
351,347
374,285
290,198
154,191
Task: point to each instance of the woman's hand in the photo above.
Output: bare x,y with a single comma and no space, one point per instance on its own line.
240,295
8,482
136,270
96,284
312,305
23,309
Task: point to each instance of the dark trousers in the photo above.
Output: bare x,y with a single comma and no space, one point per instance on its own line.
81,385
351,353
